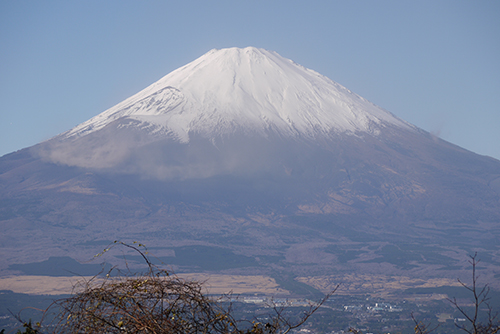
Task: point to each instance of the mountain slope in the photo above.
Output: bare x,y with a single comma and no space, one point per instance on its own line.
244,152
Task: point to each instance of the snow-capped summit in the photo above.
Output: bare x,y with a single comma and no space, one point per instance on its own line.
231,111
246,90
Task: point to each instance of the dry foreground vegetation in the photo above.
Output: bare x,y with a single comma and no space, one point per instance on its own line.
161,302
155,302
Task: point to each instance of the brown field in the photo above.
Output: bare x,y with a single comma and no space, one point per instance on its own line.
377,286
374,285
40,285
214,284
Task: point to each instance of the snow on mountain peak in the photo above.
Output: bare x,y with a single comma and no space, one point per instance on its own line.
244,90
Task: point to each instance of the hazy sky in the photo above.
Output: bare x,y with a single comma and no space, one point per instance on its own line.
433,63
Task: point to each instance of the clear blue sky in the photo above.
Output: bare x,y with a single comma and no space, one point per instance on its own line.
433,63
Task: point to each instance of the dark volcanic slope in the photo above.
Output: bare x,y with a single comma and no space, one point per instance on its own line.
385,204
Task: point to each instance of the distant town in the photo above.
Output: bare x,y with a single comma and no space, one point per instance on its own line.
343,314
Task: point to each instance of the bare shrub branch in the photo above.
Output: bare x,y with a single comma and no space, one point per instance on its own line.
421,327
480,297
154,302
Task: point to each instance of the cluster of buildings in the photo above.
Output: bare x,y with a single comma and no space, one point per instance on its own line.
377,307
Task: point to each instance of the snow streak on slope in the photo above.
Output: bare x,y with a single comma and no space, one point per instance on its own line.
245,91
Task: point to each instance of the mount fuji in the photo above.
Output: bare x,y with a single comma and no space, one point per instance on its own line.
247,154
